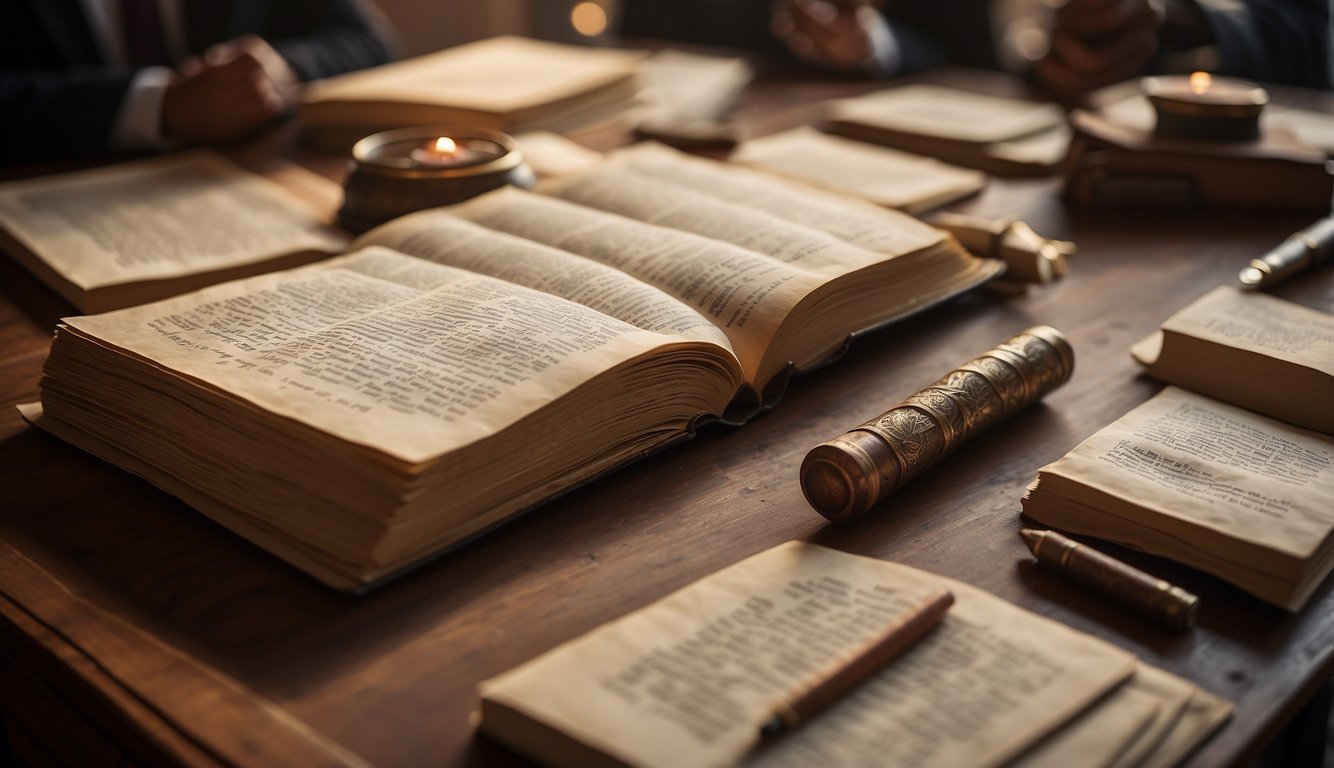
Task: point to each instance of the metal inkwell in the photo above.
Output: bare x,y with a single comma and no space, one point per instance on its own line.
410,169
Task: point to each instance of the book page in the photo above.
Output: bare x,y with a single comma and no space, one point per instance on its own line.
500,75
382,349
1145,722
744,293
881,175
437,236
690,679
618,190
1214,467
1260,323
948,113
685,87
857,221
550,154
158,218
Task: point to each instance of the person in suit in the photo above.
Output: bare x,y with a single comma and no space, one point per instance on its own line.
1086,43
86,77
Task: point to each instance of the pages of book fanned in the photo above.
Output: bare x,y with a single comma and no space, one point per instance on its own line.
1235,494
1249,349
359,416
126,234
884,176
507,83
691,678
996,134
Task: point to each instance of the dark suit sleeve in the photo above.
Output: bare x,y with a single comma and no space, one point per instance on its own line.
1279,41
320,38
55,100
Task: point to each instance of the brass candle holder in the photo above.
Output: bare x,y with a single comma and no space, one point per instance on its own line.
410,169
1200,106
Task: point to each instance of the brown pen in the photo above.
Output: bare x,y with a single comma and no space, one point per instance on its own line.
897,637
1148,595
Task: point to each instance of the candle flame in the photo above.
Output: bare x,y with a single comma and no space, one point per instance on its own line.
1200,82
445,145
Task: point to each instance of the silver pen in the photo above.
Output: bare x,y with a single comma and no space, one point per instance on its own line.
1309,248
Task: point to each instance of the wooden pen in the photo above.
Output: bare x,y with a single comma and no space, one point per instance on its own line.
897,637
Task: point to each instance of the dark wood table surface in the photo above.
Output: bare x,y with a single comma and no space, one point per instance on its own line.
129,624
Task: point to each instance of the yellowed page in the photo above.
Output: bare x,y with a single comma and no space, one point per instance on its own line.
685,87
1211,474
948,113
1201,716
744,293
1263,324
386,350
617,189
689,680
881,175
500,75
158,218
438,236
848,218
550,154
1045,148
1151,720
1095,738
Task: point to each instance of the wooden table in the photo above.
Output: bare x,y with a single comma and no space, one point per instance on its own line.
131,624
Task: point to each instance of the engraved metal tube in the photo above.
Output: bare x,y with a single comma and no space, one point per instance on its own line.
846,476
1147,595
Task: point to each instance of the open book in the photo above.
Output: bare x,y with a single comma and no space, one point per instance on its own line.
691,678
881,175
996,134
464,364
1250,349
1216,487
507,83
126,234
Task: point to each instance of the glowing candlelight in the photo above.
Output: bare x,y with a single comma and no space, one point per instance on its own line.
444,152
1200,82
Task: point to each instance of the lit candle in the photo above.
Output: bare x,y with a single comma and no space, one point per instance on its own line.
1202,106
444,152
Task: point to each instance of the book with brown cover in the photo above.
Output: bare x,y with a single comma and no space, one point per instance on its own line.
1112,164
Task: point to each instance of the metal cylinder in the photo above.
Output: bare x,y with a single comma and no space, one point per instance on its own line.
846,476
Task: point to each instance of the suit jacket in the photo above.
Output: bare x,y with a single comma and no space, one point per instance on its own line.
57,93
1281,41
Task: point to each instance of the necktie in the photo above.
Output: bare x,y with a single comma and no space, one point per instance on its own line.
143,33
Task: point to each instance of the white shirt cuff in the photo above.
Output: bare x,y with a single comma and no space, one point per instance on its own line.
885,55
138,126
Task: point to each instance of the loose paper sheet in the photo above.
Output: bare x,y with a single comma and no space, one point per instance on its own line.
689,679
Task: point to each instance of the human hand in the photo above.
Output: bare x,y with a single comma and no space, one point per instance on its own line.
234,89
839,34
1099,42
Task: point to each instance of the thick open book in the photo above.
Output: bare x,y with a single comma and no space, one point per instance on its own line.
691,678
126,234
1249,349
1219,488
464,364
507,83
